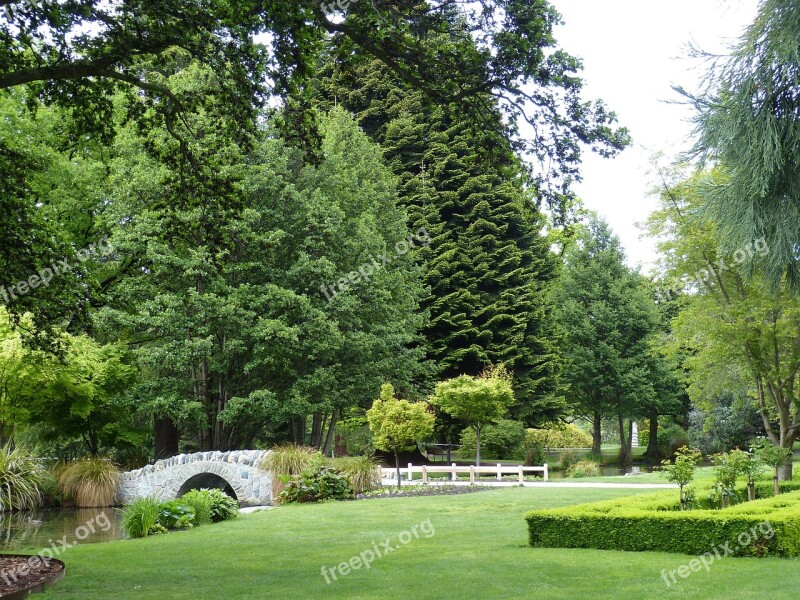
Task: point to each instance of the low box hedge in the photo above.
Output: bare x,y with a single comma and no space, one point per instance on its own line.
768,527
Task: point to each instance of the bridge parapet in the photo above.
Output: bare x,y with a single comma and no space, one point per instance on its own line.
166,478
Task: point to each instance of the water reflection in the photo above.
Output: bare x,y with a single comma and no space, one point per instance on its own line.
33,530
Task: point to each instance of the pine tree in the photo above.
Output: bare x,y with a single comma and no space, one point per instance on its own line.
487,267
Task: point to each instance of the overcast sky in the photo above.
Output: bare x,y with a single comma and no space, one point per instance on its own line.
633,51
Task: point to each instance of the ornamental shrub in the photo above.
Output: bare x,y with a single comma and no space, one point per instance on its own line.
565,435
176,515
223,507
200,502
316,485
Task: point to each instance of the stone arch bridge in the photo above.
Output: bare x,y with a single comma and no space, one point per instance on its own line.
235,472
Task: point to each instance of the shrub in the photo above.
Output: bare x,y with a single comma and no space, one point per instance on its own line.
682,471
287,461
315,485
21,479
653,522
141,517
200,502
565,435
362,472
91,482
501,440
176,515
584,468
223,507
567,459
670,438
534,456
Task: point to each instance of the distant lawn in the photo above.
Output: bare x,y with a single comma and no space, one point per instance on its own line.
479,550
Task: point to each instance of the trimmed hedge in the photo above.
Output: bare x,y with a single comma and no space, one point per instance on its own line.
654,522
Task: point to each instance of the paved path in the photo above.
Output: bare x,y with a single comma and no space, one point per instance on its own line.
545,484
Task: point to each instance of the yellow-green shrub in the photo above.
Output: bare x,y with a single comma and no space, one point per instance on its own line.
566,435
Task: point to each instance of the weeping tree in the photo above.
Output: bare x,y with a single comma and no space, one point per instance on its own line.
747,123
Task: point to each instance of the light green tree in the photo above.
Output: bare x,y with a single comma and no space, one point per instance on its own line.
477,401
682,470
731,327
397,424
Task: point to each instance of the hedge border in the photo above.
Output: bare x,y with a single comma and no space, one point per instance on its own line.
653,522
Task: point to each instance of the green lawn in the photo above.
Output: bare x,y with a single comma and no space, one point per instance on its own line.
479,550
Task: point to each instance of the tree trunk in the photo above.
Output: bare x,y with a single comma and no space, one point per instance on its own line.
166,437
624,458
331,431
478,446
397,466
776,487
785,472
653,451
597,433
316,430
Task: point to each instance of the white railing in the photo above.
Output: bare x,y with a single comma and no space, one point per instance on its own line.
499,471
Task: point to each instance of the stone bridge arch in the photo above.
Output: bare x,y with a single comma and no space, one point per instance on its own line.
236,472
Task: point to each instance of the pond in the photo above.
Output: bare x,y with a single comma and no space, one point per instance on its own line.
58,528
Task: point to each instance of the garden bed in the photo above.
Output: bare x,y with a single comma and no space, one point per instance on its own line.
768,527
21,574
423,490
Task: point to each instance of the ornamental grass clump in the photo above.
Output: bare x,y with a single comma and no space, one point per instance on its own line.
91,482
21,479
362,472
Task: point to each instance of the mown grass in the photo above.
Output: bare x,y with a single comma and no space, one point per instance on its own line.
479,550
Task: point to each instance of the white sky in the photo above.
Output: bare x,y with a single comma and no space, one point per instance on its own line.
633,51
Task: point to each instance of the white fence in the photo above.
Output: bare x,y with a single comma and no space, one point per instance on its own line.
499,471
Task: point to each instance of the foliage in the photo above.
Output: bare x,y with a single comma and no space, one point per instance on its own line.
223,507
477,401
291,347
396,424
611,323
488,265
729,422
534,456
583,468
746,117
773,456
682,470
362,472
502,440
563,435
316,485
770,525
729,466
176,514
200,501
141,517
669,438
21,479
90,481
290,459
733,332
567,458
